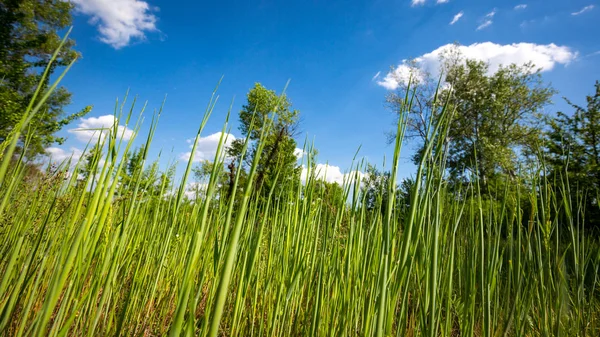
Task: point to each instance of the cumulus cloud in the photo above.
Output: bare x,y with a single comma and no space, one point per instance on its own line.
521,6
207,147
299,153
545,57
92,128
417,2
59,155
583,10
330,174
402,74
457,17
119,21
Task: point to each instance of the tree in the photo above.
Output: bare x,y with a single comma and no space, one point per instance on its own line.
376,194
91,163
573,147
375,188
150,179
277,156
28,38
331,197
202,174
496,117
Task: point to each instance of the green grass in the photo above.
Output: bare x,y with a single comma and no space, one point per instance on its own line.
116,261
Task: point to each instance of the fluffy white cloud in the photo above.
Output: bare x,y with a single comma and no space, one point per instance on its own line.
401,74
457,17
299,153
583,10
58,155
207,147
442,1
330,174
89,129
417,2
521,6
119,21
543,56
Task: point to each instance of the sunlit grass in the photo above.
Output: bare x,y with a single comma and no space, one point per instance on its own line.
94,257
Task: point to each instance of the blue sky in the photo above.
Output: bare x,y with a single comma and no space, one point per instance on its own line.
330,50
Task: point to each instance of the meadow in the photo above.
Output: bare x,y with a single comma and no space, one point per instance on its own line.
93,256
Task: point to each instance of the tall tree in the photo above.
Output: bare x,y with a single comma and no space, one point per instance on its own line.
376,194
28,38
149,178
497,116
573,147
279,144
91,163
202,174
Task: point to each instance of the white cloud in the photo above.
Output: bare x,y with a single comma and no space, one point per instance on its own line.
457,17
59,155
89,129
543,56
376,76
442,1
417,2
487,20
330,174
485,24
521,6
583,10
401,74
299,153
207,147
491,14
119,21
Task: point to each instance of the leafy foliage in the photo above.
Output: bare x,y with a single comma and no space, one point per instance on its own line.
28,38
573,147
496,117
375,191
279,144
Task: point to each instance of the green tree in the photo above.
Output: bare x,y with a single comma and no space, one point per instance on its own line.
91,163
376,194
133,168
202,174
573,146
279,144
330,196
150,179
28,38
496,120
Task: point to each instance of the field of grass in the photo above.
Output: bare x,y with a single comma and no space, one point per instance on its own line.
98,258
